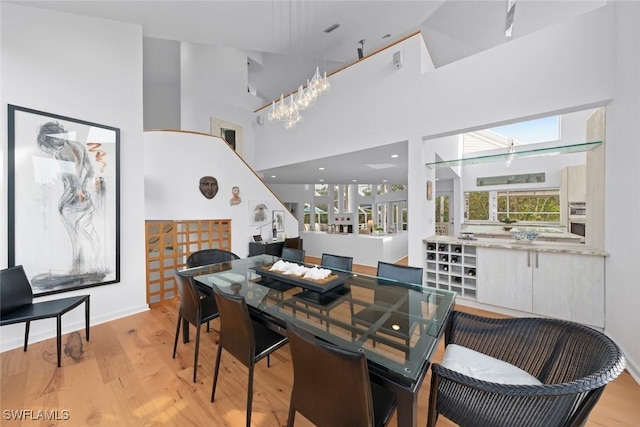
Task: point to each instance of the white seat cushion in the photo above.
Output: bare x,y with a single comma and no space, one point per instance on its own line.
486,368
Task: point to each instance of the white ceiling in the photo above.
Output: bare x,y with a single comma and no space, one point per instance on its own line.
288,36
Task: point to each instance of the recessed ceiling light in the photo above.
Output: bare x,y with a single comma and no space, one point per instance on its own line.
393,156
384,180
354,180
386,36
273,176
321,169
322,180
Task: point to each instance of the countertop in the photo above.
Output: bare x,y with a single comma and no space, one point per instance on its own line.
551,234
503,243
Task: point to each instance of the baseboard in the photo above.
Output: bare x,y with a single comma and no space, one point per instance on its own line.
634,370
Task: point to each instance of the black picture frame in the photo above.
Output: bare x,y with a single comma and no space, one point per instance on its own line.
63,200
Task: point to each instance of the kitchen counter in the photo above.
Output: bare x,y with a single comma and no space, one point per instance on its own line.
547,233
504,243
366,249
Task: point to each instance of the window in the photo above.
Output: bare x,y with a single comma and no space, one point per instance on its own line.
521,205
476,205
530,205
364,189
364,216
321,190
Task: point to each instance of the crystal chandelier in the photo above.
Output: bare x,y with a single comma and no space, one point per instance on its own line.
303,98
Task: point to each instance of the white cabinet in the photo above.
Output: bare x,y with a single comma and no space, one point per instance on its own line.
575,180
560,285
451,267
505,279
569,287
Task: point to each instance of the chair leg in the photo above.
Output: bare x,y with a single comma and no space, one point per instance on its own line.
268,360
215,372
86,318
250,396
432,415
59,336
26,335
207,326
292,413
175,343
197,350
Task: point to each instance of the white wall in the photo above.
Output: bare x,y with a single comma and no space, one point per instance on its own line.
174,162
88,69
214,84
621,188
161,63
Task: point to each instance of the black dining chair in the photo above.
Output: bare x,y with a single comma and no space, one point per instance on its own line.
293,243
17,306
388,295
339,262
331,385
210,256
248,341
323,301
195,310
207,257
293,255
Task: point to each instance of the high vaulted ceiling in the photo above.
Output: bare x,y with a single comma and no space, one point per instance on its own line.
289,39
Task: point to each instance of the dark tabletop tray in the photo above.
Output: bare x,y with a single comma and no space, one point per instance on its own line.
300,282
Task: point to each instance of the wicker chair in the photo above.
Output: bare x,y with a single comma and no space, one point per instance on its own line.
573,362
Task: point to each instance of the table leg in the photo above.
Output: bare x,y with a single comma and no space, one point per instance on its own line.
407,408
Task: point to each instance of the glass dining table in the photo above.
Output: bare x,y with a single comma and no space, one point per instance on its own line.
396,325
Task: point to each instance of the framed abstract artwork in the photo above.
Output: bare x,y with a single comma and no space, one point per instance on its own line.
64,200
278,220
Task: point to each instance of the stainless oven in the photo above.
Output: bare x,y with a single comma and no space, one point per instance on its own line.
577,218
577,227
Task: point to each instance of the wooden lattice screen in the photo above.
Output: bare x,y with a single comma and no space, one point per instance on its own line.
169,243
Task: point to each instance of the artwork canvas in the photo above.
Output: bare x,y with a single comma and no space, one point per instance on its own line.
258,212
278,220
429,190
63,194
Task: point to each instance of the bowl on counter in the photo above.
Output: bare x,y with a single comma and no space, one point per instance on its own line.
466,235
528,236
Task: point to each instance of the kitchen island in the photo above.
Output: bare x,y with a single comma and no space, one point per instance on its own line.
366,249
555,279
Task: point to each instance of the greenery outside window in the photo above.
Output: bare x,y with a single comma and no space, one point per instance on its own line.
530,205
321,190
520,205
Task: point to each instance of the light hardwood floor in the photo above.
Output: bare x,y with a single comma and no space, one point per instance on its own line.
125,376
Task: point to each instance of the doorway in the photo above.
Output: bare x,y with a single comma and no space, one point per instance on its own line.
230,132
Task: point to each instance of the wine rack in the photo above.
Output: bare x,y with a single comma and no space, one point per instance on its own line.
451,267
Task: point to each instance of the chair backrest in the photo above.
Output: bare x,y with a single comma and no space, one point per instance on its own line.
401,273
290,254
236,330
344,263
293,242
15,290
330,384
190,308
210,256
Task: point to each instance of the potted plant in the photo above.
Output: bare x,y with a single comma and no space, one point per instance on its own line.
507,220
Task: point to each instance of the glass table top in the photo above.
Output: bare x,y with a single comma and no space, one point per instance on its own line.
396,325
